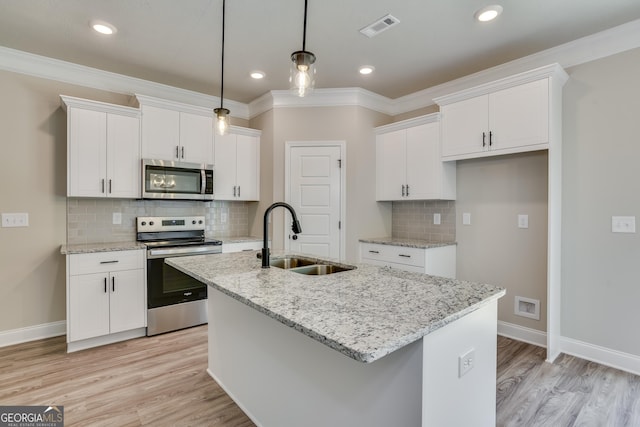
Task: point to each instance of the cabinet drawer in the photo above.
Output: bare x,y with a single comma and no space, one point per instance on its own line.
99,262
395,254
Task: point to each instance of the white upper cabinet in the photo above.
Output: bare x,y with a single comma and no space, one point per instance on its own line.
237,165
511,115
103,149
177,132
408,162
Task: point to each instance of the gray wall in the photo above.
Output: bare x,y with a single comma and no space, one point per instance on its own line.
601,178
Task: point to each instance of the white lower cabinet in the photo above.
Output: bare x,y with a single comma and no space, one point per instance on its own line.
106,298
436,261
241,246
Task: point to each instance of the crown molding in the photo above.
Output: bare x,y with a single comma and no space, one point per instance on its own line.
605,43
404,124
53,69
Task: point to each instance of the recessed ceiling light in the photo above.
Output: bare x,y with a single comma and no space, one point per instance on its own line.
366,69
488,13
103,27
257,75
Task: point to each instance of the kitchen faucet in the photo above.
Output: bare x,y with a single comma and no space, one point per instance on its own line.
295,227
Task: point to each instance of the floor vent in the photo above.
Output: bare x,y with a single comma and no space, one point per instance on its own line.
380,25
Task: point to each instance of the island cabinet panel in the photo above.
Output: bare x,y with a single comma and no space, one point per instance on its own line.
282,378
437,261
511,115
103,149
461,399
176,132
409,164
106,298
237,165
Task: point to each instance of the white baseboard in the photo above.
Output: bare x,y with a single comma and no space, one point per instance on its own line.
602,355
520,333
33,333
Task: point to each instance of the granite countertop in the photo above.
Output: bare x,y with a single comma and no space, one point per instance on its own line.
100,247
408,243
364,313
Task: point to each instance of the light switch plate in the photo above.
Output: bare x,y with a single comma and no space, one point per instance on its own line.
15,219
623,224
466,218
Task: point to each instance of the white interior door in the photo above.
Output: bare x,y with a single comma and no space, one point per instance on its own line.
315,193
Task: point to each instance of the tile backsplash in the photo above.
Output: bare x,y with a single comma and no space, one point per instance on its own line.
414,219
91,220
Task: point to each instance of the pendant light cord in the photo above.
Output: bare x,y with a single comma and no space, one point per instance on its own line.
222,68
304,29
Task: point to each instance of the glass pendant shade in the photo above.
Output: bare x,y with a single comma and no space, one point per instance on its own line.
222,120
302,78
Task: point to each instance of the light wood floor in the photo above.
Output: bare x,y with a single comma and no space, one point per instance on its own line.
161,381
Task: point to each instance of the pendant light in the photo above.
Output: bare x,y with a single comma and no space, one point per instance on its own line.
222,114
302,77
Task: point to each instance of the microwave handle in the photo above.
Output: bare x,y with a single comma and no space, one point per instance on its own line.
203,181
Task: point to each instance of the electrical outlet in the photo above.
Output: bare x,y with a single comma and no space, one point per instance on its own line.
223,217
117,218
15,219
436,219
523,221
466,362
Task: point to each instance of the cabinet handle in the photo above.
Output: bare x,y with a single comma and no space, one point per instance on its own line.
484,135
490,136
238,191
182,152
109,186
374,252
177,152
402,190
105,285
405,256
109,262
407,190
234,191
102,185
113,284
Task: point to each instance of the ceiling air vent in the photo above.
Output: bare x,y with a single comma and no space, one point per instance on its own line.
380,25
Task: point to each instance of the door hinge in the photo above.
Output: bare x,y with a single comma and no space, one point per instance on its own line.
340,163
339,225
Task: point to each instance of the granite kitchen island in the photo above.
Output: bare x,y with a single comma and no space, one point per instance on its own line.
373,346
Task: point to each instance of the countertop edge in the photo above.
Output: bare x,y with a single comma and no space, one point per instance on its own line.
407,243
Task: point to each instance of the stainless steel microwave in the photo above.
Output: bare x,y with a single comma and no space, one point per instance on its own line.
166,179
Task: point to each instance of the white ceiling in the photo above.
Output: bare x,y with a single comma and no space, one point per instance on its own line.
177,42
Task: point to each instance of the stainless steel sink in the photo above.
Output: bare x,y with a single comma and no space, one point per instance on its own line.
321,269
306,266
290,262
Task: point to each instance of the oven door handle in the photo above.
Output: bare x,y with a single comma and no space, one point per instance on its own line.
191,250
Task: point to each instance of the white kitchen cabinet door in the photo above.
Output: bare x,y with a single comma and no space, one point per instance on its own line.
248,167
519,116
127,308
123,156
87,142
237,167
465,127
224,182
160,133
391,154
88,306
196,138
409,164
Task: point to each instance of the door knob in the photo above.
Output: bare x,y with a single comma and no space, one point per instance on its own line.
294,237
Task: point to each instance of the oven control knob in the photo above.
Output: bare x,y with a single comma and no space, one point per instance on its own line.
143,223
200,222
150,222
193,222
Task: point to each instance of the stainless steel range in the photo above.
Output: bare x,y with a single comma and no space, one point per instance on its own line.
174,299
